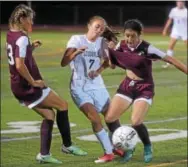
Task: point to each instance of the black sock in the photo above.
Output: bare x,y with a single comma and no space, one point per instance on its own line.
64,127
113,125
46,136
143,134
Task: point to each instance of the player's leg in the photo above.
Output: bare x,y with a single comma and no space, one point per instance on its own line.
90,112
185,41
62,119
46,135
119,104
102,100
170,51
140,109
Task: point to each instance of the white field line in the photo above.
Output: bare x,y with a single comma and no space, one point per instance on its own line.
89,129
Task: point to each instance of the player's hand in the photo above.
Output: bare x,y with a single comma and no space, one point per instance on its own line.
38,83
36,43
81,49
112,66
164,33
93,74
111,45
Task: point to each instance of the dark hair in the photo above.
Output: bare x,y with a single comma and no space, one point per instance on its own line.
134,24
20,11
110,35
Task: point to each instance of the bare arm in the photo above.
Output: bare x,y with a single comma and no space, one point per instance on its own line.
23,71
167,25
178,64
70,54
104,65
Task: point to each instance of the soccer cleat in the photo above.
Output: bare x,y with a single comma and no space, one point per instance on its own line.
119,152
166,65
73,150
128,155
148,153
105,158
47,159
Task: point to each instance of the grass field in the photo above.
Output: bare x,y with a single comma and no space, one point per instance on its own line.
167,116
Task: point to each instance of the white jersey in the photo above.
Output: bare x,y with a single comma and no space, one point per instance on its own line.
85,62
179,17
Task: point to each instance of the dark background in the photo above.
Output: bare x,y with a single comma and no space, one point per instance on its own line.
153,13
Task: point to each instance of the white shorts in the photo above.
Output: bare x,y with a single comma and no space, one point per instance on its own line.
149,101
100,98
179,35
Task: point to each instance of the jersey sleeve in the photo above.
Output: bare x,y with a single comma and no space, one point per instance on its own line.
155,53
73,42
171,14
21,46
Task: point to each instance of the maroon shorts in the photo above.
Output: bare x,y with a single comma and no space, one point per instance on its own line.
31,96
135,89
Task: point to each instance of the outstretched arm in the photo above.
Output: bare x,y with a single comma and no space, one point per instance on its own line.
178,64
156,53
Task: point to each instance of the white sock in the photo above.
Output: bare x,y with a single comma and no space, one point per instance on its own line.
170,52
105,141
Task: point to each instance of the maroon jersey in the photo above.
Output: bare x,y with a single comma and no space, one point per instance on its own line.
138,60
18,45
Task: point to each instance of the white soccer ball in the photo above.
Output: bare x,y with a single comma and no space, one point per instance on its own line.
125,138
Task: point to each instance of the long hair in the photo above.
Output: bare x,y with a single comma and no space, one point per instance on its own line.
111,35
20,11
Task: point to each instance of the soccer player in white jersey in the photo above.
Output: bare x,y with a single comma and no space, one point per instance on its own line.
178,15
85,54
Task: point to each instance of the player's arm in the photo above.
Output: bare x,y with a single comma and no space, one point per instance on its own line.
70,54
23,71
155,53
104,53
178,64
168,23
21,49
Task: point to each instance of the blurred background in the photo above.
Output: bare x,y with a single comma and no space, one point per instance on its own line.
151,13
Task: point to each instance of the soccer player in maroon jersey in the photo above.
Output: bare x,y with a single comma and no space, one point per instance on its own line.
135,56
29,88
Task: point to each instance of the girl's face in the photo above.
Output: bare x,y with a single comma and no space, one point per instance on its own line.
180,4
96,28
132,38
27,23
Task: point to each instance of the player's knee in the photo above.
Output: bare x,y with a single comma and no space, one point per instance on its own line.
109,119
50,115
135,121
63,106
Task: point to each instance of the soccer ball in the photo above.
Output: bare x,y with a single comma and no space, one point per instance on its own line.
125,138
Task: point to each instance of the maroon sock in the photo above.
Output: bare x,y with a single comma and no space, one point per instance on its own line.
46,136
143,134
113,126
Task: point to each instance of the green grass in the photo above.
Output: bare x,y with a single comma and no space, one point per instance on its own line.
170,102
